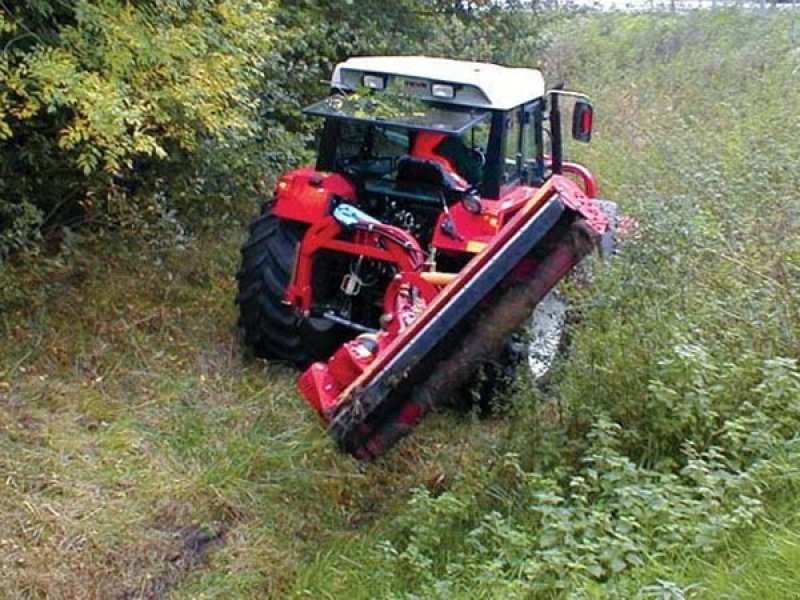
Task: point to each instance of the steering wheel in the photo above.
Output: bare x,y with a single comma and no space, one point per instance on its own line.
479,155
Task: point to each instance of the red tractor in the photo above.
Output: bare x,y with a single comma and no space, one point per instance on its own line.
439,214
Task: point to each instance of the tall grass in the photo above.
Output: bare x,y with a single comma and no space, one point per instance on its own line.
672,420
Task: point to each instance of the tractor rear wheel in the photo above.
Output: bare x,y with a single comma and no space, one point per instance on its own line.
549,319
270,328
545,331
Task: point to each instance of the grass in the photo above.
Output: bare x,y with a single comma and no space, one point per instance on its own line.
143,456
768,566
131,425
758,563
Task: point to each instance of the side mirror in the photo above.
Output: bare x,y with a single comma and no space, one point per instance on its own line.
582,117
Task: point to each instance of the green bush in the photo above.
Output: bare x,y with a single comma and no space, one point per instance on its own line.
564,531
121,112
97,97
676,339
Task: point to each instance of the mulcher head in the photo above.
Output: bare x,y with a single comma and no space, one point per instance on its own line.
375,389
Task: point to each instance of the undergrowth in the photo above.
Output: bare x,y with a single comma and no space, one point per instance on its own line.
663,445
141,454
672,422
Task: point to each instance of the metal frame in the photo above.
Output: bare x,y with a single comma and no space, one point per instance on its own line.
380,405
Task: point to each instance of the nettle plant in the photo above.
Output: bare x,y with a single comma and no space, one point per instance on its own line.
560,531
674,413
671,428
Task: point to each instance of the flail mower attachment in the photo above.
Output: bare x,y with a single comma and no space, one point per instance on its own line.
376,388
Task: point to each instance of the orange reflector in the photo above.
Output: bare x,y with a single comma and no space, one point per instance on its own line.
437,277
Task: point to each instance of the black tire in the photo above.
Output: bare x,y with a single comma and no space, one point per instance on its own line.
271,329
608,245
545,337
548,324
492,384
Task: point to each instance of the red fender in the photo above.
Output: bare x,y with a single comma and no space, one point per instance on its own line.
585,176
305,194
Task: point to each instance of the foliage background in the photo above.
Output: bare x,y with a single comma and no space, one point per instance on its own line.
121,112
675,415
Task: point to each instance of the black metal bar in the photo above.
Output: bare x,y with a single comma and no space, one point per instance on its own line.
326,154
493,171
556,143
538,140
330,316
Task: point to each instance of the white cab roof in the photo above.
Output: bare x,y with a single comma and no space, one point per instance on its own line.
485,85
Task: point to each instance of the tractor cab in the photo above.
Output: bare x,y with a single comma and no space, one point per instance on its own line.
438,146
484,123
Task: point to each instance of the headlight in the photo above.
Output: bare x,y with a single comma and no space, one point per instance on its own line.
472,202
440,90
374,82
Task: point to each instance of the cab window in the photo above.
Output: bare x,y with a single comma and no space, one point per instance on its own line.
533,143
359,142
512,151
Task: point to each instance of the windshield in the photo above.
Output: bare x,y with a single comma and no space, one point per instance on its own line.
398,111
375,150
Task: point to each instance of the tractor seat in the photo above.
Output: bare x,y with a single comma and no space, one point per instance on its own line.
413,173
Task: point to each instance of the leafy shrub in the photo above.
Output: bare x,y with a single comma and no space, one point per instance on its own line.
120,111
96,94
608,518
569,528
